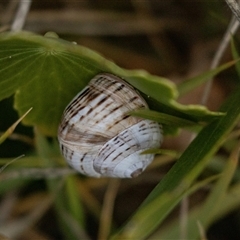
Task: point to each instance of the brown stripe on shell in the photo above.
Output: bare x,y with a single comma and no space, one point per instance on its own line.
78,99
83,156
110,112
75,108
78,104
120,120
119,88
74,135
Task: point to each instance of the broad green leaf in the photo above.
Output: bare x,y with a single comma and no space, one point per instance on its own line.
45,72
182,174
194,82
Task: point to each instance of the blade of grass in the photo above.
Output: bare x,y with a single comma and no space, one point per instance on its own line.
235,55
10,130
215,199
73,202
214,206
231,202
194,82
8,163
107,209
163,118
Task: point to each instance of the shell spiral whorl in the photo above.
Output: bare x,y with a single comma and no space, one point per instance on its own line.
98,137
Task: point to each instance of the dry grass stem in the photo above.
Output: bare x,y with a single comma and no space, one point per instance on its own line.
18,226
201,231
183,218
234,7
107,209
7,204
36,173
12,128
10,162
231,30
21,15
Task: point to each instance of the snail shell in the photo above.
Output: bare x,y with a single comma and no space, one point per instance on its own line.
98,137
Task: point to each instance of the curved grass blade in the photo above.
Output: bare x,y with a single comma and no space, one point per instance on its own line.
211,209
194,82
10,130
163,118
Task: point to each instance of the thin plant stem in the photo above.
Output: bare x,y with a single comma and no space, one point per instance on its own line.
20,17
183,217
231,30
107,209
7,15
12,128
34,173
201,231
7,164
234,7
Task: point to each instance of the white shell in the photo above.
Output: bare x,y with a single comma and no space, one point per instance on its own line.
97,135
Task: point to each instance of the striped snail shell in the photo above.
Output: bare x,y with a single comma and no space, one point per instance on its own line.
99,138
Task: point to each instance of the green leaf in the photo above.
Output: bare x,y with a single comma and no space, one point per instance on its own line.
45,72
180,177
